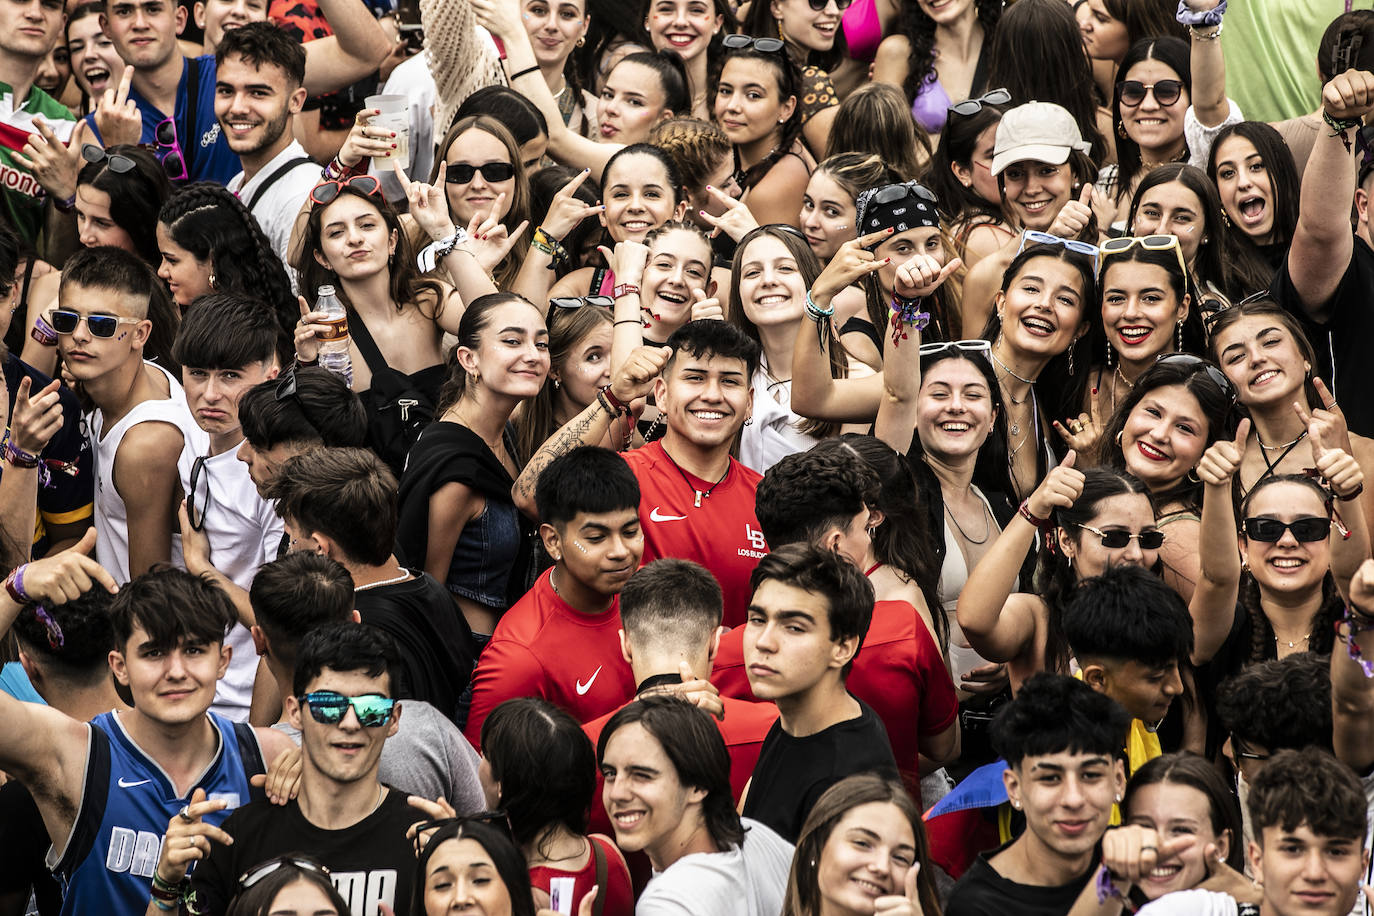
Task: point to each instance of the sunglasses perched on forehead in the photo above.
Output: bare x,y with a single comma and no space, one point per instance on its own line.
328,707
1197,362
576,302
1117,538
326,191
64,321
262,870
425,831
1133,92
963,346
117,163
969,107
895,192
462,172
1035,237
766,45
1270,530
1124,243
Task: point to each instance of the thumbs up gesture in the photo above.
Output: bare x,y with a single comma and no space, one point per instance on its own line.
1338,468
1059,490
908,903
1221,462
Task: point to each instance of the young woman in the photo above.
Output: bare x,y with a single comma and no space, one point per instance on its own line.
829,217
1172,414
856,850
457,519
555,28
961,176
1264,352
1167,107
470,866
691,27
757,102
210,243
96,66
1258,183
938,55
875,120
816,45
1112,27
294,884
540,769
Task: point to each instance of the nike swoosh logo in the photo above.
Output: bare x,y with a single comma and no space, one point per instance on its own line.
130,785
583,688
657,516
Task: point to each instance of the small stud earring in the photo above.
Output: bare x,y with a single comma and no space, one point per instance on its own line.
555,384
213,284
1016,805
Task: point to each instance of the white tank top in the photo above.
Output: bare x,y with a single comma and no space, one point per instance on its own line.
111,515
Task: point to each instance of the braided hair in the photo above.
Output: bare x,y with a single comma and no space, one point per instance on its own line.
212,224
789,82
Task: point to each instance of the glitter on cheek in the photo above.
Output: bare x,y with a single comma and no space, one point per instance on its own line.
578,545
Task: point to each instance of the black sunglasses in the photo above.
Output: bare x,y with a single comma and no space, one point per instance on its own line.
462,172
1305,530
117,163
1133,92
65,321
1197,362
818,5
1116,538
196,516
766,45
970,107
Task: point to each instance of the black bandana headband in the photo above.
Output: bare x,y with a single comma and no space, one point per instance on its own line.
897,206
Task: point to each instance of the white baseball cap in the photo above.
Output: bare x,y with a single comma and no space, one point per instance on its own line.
1036,131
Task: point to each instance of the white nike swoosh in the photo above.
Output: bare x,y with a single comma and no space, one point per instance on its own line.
583,688
130,785
656,516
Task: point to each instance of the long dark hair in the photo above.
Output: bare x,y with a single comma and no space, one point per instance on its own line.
876,120
614,22
992,469
1098,346
505,855
1145,19
258,899
535,421
136,196
1271,310
789,82
1038,53
476,319
960,204
760,21
1172,53
919,30
1189,769
1283,182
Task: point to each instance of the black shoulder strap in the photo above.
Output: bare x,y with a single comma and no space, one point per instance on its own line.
272,179
980,73
95,794
357,329
190,139
250,752
600,856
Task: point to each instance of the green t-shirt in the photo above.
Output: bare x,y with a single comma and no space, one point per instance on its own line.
23,196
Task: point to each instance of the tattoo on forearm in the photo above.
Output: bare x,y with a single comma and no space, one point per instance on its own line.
577,433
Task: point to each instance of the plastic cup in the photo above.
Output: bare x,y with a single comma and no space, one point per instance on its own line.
395,117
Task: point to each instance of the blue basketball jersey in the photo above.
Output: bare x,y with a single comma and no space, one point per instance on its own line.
126,802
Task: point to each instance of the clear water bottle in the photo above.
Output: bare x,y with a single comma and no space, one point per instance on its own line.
334,343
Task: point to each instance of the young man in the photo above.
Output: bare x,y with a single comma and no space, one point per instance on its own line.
144,438
169,88
667,792
308,408
824,498
28,31
670,617
258,93
341,702
1061,741
807,620
323,496
106,790
560,642
696,501
303,592
1307,856
228,530
1129,631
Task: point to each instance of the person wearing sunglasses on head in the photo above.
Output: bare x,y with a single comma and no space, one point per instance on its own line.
295,884
808,29
961,176
342,703
473,865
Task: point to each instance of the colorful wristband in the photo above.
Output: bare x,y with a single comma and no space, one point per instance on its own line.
1024,511
14,584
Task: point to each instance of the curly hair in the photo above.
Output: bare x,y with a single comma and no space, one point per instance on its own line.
1280,703
919,29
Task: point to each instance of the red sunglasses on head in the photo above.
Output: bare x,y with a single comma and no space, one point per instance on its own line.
326,191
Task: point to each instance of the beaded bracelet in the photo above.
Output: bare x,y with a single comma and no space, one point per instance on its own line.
1340,126
822,318
1206,36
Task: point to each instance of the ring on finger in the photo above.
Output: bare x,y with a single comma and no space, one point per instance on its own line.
185,814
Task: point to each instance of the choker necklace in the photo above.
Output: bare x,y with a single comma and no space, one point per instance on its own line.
405,574
987,530
1007,369
700,494
1275,448
1292,645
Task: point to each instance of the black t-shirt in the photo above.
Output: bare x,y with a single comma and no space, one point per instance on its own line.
792,773
983,892
371,862
431,635
23,868
1343,341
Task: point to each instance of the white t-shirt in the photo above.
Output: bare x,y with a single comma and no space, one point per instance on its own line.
244,532
111,515
746,880
276,209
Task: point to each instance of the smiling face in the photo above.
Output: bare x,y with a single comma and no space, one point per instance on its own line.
771,288
172,686
649,807
1172,209
1067,798
477,147
217,16
93,56
705,399
1139,310
1247,194
1289,567
686,26
954,412
1164,436
54,71
144,32
827,215
355,242
585,370
811,29
1261,358
749,105
1104,37
1129,512
1151,125
679,263
346,751
1174,810
1307,873
254,104
639,197
186,276
1036,192
867,856
554,27
460,877
632,102
601,550
512,356
1042,309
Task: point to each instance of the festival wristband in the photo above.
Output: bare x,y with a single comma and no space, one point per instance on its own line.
14,584
624,289
1024,511
43,332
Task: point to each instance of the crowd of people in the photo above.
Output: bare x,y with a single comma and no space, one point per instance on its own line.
611,457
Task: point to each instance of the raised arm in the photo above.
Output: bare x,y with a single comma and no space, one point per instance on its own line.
626,262
354,51
1344,477
1323,243
1352,682
565,212
996,635
33,422
1213,607
1208,91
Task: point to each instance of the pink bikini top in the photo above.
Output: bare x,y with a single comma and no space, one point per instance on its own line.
863,31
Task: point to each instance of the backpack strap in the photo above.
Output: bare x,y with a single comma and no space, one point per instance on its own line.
372,355
250,752
190,139
599,855
272,179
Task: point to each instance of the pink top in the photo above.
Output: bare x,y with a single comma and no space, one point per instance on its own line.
863,30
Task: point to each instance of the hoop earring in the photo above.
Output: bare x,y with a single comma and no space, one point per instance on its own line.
1118,438
1192,476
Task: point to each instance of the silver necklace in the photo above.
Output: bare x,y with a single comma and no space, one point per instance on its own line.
405,574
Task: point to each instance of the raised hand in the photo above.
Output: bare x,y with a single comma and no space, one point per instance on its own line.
636,376
1075,215
436,810
921,276
37,418
1329,418
1059,490
1221,462
626,261
117,117
852,262
1080,433
737,221
499,17
706,308
1349,96
282,781
308,332
1361,587
428,202
488,239
365,141
566,211
1132,852
68,575
699,691
1338,467
195,545
907,903
54,164
1222,877
188,837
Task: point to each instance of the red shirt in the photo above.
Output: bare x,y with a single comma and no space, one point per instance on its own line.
620,893
542,647
721,534
899,672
